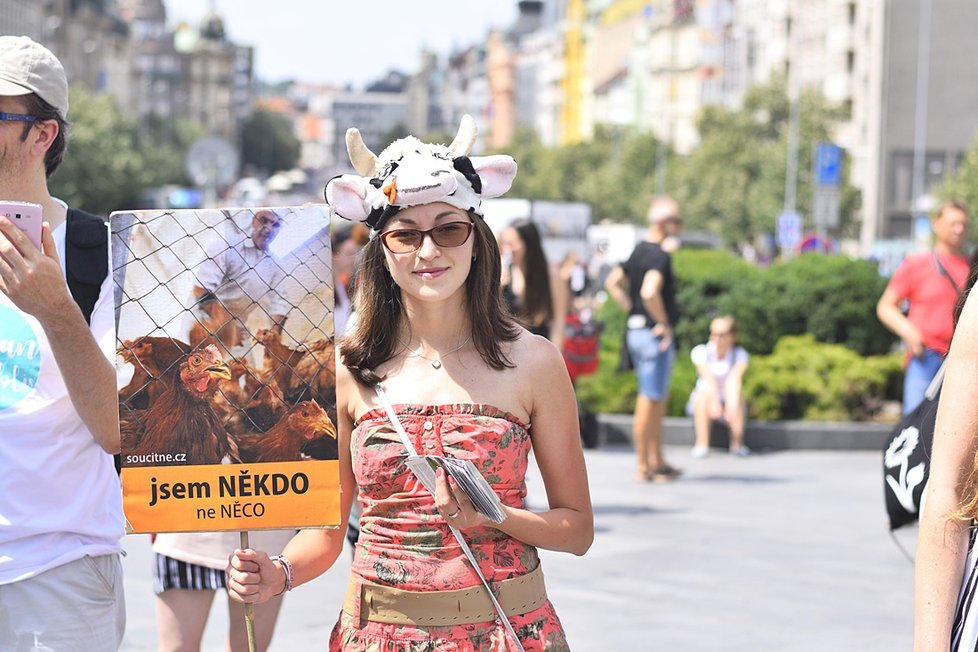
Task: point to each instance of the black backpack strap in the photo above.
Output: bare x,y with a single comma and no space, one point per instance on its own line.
943,272
86,258
87,265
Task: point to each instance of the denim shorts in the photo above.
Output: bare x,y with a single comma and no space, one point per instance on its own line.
920,371
652,366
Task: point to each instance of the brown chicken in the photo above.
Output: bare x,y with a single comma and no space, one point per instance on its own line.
315,375
233,394
280,360
305,424
262,410
182,425
153,358
217,326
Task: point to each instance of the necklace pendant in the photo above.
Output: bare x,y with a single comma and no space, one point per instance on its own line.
436,364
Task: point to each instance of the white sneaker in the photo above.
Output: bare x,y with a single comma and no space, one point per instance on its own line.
740,451
699,452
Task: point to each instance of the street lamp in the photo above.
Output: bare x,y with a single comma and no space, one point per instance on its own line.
920,112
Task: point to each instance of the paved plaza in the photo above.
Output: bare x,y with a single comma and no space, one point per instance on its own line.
786,551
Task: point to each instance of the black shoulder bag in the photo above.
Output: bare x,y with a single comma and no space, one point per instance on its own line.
87,265
86,258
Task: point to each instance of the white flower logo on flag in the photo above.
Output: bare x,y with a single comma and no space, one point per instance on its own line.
898,455
902,446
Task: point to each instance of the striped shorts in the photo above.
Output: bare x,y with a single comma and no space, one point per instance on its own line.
169,573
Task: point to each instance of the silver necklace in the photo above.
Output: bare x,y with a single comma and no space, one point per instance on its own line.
435,362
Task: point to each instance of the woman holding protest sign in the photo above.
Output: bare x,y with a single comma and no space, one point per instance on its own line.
436,364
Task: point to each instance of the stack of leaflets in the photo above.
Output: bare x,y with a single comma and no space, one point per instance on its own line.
471,482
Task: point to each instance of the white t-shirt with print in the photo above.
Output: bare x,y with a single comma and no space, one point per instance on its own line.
719,367
60,497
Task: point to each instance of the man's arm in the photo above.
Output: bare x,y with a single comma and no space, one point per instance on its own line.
889,313
278,304
651,294
34,282
615,285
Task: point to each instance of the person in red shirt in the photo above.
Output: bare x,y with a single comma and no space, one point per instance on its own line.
930,282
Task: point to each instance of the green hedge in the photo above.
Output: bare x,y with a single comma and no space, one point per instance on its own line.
810,325
805,379
831,297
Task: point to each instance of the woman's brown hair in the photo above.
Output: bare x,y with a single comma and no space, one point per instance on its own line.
374,339
536,307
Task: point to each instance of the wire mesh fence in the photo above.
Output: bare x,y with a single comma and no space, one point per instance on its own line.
225,335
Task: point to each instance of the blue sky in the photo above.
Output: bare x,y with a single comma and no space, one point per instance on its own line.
347,42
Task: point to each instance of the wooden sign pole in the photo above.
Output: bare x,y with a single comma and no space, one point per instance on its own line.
249,607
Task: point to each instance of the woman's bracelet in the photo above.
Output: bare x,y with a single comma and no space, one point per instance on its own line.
287,567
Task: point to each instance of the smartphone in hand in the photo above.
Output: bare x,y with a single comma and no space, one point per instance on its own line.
26,216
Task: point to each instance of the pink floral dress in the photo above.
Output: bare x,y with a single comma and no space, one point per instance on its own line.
404,541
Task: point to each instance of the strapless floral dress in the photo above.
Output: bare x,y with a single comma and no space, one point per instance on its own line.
405,543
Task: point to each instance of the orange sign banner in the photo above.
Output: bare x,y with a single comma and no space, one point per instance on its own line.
231,496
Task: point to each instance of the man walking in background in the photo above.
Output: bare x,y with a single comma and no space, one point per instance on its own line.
930,282
645,288
61,517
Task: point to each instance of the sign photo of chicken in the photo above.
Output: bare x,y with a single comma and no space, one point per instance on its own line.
226,368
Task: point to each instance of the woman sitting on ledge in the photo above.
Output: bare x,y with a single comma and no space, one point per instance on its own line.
720,365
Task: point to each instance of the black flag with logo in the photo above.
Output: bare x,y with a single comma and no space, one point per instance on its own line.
906,458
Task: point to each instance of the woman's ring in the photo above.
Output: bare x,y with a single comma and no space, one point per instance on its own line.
455,513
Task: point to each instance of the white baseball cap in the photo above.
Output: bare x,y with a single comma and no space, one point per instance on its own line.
28,67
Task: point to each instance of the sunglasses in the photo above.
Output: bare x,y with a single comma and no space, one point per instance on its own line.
405,241
270,222
17,117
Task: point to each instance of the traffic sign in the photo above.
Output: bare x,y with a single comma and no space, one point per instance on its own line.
825,207
828,164
788,233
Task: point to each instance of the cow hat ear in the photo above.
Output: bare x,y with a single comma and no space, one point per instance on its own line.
347,195
496,172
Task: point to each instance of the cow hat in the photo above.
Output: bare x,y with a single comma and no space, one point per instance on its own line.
411,173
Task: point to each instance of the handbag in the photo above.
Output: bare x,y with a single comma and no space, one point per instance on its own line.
419,467
581,344
906,458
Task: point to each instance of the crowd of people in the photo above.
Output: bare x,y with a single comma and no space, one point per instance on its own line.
451,341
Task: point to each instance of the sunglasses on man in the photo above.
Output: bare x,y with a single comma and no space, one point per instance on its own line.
17,117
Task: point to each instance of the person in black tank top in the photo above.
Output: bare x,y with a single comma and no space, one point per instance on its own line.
644,286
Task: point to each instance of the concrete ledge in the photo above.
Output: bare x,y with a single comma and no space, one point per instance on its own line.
760,435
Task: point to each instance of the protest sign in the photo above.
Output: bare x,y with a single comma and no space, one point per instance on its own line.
227,398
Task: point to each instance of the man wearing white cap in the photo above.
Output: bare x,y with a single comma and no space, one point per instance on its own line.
60,504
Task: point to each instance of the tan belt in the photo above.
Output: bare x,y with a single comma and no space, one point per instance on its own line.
385,604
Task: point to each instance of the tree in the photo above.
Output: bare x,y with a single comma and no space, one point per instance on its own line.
267,142
109,162
733,183
962,186
613,172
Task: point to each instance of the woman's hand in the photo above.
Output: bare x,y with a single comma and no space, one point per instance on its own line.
253,577
454,505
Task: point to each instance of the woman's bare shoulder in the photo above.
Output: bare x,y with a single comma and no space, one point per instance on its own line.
534,353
